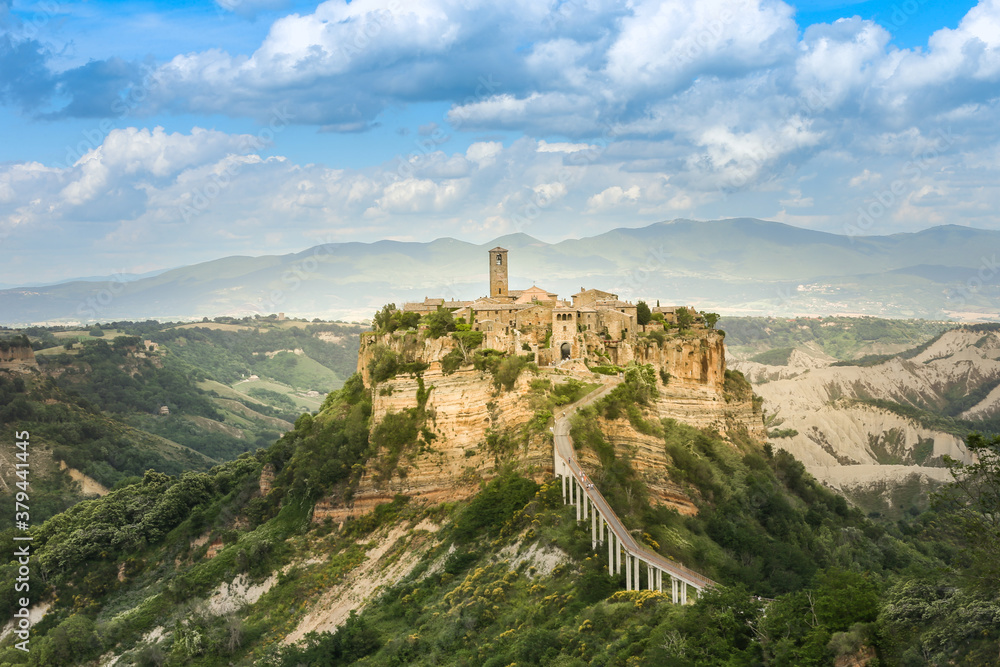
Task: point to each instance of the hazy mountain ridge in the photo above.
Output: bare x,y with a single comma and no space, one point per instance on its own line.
738,265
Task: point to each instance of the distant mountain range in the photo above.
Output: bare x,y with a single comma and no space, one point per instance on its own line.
735,266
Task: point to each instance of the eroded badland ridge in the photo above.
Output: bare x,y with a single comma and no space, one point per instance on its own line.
475,397
872,425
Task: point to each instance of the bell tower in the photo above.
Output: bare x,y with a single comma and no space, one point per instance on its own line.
498,272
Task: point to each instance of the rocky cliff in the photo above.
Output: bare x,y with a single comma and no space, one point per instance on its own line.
15,355
470,426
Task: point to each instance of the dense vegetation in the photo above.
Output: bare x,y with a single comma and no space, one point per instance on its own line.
112,409
843,586
79,433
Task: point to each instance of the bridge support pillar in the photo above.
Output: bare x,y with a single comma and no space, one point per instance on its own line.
628,573
684,592
586,502
649,576
563,478
611,559
673,590
593,530
635,561
618,554
578,490
659,581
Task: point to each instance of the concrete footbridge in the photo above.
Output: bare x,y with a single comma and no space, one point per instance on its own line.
605,526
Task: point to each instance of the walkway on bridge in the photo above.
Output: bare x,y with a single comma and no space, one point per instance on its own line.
605,526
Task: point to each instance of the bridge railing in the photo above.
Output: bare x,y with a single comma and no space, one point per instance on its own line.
598,502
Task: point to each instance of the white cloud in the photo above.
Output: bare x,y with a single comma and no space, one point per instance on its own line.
613,197
864,177
562,147
420,196
484,151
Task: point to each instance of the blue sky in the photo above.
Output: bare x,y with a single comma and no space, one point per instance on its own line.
145,135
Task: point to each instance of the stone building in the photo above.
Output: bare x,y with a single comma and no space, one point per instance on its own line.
537,320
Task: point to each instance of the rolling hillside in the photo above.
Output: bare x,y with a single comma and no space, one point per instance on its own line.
110,404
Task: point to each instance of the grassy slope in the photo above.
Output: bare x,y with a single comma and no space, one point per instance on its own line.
839,337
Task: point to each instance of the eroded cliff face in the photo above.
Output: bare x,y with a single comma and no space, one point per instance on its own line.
17,356
463,410
650,461
471,427
695,393
830,423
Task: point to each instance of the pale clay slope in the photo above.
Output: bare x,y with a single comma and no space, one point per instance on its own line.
805,395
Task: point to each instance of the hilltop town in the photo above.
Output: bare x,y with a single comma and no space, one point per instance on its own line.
593,324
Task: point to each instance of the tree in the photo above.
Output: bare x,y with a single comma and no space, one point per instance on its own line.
642,313
380,322
972,502
685,318
96,331
384,363
710,319
439,322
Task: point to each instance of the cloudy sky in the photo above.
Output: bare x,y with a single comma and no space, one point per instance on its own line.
144,135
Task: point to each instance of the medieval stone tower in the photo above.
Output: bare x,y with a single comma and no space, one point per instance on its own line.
498,272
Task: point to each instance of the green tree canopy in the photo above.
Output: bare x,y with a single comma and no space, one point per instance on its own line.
642,313
685,318
439,322
972,502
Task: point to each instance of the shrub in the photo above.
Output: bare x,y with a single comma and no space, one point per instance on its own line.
384,363
508,371
470,339
439,323
494,505
452,361
393,433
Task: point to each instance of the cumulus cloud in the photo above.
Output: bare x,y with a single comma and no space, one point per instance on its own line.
710,107
613,197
